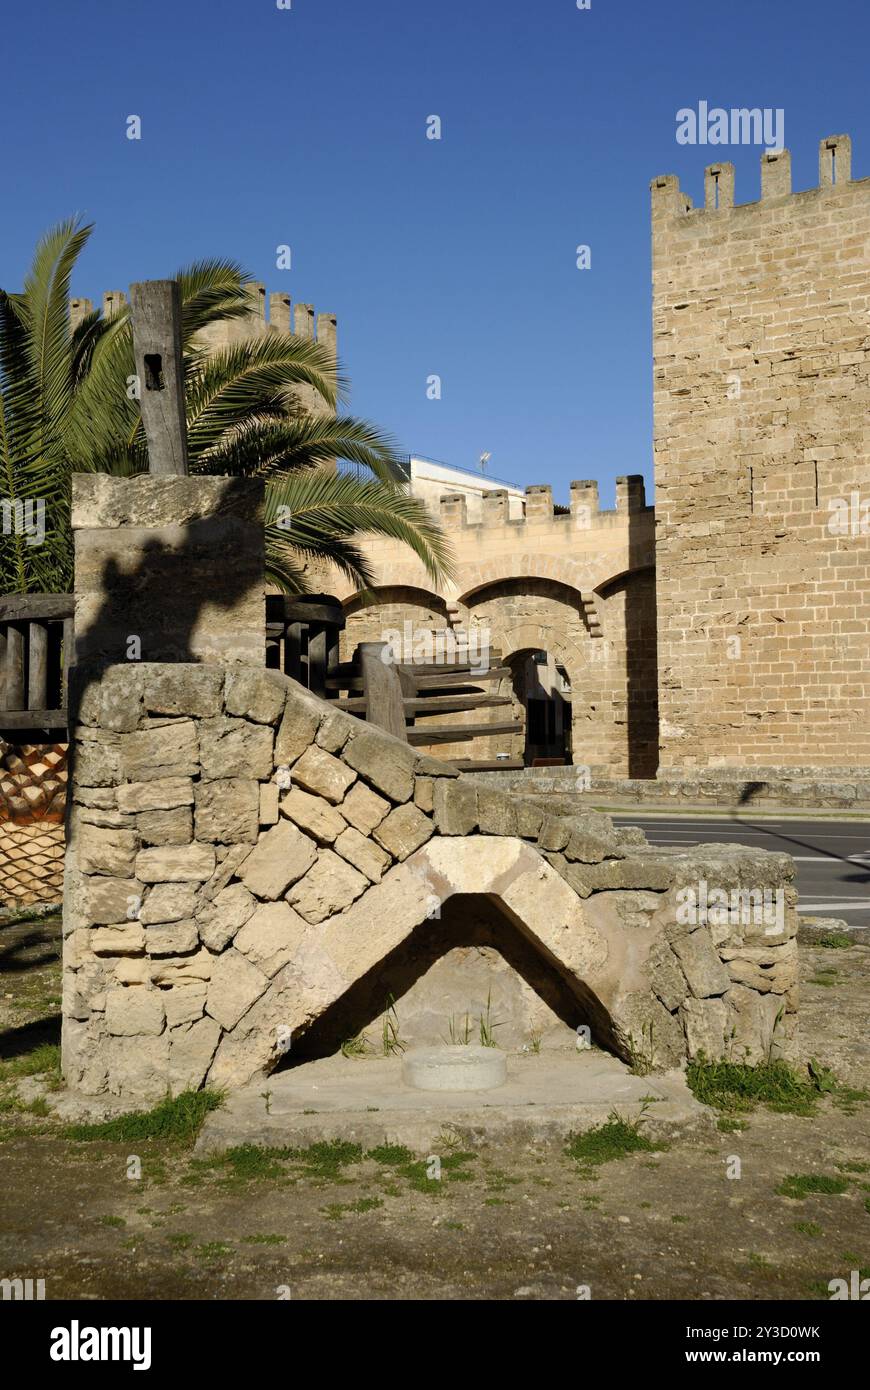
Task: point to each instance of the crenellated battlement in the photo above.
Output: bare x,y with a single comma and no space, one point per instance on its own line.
282,317
835,174
539,509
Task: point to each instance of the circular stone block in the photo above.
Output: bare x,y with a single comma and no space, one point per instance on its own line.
454,1068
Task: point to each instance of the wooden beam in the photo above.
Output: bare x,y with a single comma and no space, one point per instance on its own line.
42,719
434,704
383,693
14,668
22,607
37,666
460,733
156,317
450,678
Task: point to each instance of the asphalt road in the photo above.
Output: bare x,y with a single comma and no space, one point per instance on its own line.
832,857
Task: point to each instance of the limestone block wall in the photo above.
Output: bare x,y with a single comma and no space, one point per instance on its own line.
761,402
243,861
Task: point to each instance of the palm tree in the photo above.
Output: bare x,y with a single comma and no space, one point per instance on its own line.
68,404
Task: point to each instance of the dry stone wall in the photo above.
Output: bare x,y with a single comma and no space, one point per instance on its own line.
241,856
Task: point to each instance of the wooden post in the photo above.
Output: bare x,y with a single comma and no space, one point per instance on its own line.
37,672
156,317
382,689
14,668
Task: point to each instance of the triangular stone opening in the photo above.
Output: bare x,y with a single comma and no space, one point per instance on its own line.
470,963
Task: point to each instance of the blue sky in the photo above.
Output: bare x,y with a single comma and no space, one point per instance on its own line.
456,257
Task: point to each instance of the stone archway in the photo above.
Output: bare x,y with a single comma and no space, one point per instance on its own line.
343,954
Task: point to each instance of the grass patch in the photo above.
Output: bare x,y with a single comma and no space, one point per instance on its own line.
737,1087
835,941
801,1185
390,1155
265,1240
616,1138
41,1060
336,1210
809,1228
178,1120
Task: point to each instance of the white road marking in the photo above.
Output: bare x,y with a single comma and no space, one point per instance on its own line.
850,905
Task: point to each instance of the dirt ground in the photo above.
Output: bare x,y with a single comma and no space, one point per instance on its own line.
518,1222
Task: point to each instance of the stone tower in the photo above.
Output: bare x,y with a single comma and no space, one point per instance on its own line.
761,331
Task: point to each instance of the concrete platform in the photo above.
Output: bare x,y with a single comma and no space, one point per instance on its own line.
364,1101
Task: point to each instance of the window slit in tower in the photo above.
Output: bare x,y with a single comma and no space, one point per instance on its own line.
751,492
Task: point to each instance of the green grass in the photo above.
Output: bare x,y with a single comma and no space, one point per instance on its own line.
736,1087
336,1210
809,1228
178,1120
835,941
390,1155
265,1240
616,1138
43,1059
801,1185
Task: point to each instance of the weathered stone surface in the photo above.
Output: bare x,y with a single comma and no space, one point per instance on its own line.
701,964
182,970
185,1003
191,1049
136,1068
97,763
108,819
188,689
220,920
329,887
589,848
427,766
665,976
102,851
323,775
228,810
455,807
112,699
530,818
356,939
169,750
98,797
313,815
230,862
334,731
270,937
235,748
175,939
258,695
235,985
424,788
132,970
496,813
299,724
555,833
366,856
110,899
163,794
134,1011
175,864
268,803
165,827
404,830
281,856
384,762
363,808
126,940
705,1022
168,902
753,1021
646,1030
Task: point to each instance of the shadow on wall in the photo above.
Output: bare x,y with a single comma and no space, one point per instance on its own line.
152,610
429,989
